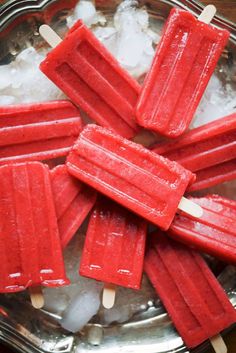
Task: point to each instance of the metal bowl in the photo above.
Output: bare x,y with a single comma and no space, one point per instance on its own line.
150,329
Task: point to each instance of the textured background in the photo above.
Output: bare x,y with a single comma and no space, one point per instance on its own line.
228,10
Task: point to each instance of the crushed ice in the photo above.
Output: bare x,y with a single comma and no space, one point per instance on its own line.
86,11
218,101
22,81
129,38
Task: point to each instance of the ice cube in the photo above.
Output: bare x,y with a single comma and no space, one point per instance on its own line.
135,45
218,101
86,11
78,302
129,38
81,310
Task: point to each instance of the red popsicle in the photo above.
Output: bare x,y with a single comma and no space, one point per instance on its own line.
130,174
214,175
183,64
30,247
214,233
37,131
73,202
209,151
114,245
92,78
195,301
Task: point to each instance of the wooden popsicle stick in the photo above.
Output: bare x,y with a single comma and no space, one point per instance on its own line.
49,35
108,295
218,344
190,208
207,14
36,296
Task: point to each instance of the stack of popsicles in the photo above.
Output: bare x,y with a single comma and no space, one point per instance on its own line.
41,209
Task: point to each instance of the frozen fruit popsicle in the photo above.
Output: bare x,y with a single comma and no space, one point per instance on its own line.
183,64
114,246
214,175
130,174
214,233
30,247
209,151
73,202
92,78
38,131
195,301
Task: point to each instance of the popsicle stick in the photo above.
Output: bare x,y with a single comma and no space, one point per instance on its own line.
207,14
108,295
190,208
218,344
36,296
49,35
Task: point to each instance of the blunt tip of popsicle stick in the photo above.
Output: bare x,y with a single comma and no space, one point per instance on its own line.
218,344
44,29
49,35
36,296
190,208
207,14
108,295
